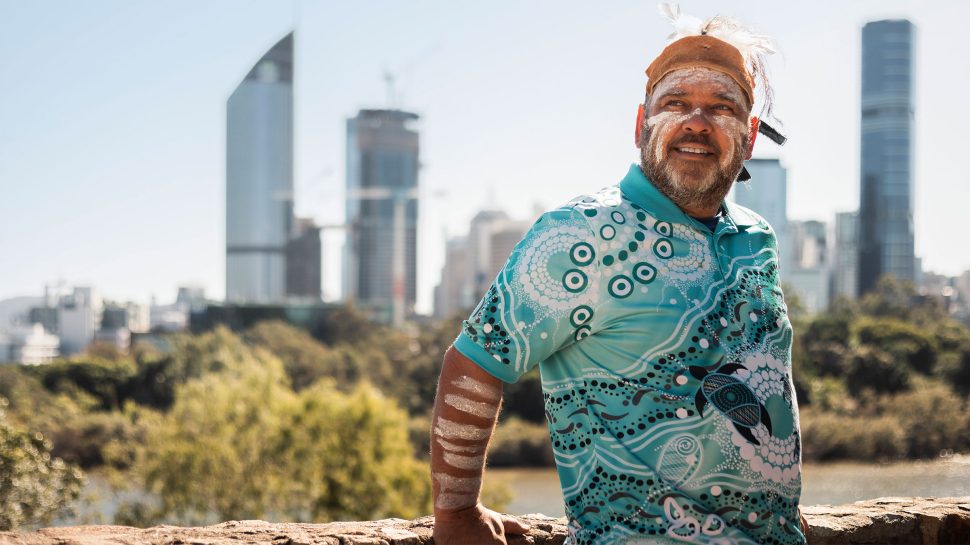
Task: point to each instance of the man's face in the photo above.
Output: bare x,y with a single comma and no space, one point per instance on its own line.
696,137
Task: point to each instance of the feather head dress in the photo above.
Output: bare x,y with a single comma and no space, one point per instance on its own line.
750,70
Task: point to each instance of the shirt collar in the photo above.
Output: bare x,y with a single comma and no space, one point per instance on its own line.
641,191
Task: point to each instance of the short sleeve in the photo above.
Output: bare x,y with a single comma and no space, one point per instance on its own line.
542,300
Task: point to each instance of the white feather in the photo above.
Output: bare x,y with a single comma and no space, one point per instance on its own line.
684,25
748,43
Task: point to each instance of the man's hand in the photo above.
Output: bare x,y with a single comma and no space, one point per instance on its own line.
475,525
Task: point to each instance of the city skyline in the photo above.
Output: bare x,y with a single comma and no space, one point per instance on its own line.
118,184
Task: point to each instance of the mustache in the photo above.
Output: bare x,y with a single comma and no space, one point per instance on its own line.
696,139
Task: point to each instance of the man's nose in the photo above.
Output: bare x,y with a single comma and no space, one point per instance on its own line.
697,122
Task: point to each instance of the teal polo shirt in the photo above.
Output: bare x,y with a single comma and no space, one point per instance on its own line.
665,355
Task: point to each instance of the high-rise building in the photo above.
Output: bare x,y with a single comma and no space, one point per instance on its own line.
303,262
810,271
472,262
846,273
259,178
452,295
767,195
380,273
886,177
479,250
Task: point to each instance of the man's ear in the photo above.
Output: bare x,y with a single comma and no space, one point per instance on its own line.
755,124
639,128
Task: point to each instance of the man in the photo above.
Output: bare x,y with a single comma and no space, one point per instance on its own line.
654,312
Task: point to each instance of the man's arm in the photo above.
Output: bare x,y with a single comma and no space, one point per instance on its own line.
465,410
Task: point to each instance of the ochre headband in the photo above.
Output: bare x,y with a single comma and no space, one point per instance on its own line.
701,52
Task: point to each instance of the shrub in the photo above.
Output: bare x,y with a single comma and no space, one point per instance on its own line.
873,369
34,487
932,418
828,436
902,341
518,443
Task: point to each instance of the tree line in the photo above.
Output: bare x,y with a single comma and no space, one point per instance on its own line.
273,422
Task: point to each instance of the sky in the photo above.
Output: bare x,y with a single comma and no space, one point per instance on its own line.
112,119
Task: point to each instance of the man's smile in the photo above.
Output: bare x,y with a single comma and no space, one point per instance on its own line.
693,152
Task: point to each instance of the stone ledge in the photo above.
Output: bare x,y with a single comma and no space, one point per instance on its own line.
884,521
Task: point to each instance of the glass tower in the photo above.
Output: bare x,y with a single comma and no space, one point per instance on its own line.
886,177
259,178
382,213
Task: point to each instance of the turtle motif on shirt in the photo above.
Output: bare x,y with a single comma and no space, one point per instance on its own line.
731,397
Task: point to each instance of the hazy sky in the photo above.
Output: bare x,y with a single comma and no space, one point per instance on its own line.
112,119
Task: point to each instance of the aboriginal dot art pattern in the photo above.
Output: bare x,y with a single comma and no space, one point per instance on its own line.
665,356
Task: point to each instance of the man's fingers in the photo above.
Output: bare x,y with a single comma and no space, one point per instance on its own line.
514,526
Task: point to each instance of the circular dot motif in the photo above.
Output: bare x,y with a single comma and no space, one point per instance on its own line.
664,228
608,232
583,332
582,253
620,286
663,248
618,216
644,273
574,281
580,315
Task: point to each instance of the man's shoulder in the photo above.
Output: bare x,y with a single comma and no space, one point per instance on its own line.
591,206
743,215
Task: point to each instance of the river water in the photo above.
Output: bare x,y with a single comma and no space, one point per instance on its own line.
536,490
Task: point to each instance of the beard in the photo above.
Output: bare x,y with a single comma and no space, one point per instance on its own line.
691,186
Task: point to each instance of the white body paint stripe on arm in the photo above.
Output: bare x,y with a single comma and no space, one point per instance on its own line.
463,462
450,483
452,430
455,501
475,408
474,449
477,387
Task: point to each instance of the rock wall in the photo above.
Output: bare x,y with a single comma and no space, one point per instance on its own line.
885,521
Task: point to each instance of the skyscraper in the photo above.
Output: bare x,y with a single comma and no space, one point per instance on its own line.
452,295
886,177
809,272
767,195
382,213
846,274
303,262
259,178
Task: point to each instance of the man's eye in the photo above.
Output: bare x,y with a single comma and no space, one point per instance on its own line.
724,108
675,104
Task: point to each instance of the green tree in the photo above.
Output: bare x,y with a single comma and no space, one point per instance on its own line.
305,359
34,487
350,457
239,443
902,341
873,369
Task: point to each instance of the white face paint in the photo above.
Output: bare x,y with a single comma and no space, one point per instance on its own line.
475,408
461,461
447,429
474,449
477,387
663,123
693,184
